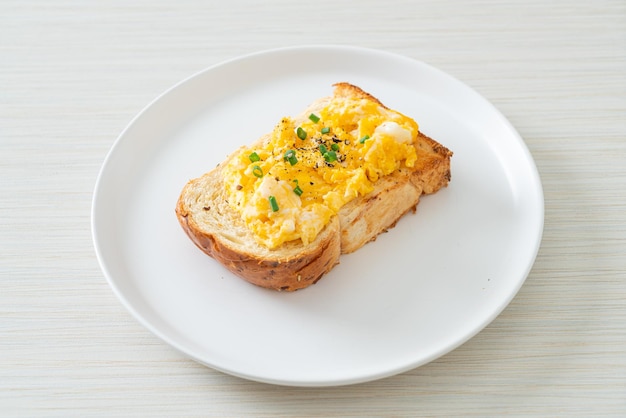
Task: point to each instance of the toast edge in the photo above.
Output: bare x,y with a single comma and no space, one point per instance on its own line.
282,274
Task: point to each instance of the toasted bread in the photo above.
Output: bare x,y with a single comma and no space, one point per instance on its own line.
217,229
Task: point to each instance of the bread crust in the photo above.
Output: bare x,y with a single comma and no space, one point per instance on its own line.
219,232
278,272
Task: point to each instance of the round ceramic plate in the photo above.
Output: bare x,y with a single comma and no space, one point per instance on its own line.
417,292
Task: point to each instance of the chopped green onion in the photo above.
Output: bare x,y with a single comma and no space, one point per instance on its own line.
330,156
257,171
273,203
334,147
254,157
365,138
291,157
325,130
314,117
323,149
297,190
301,133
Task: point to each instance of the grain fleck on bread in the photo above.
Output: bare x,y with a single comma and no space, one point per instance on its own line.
218,230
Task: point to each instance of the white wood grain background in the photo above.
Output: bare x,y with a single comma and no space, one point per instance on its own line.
74,73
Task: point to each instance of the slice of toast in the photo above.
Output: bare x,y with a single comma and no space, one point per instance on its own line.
217,229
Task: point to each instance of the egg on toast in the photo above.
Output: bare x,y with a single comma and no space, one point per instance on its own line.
279,212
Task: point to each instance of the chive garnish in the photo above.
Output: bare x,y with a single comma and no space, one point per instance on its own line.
314,117
297,190
334,147
301,133
323,149
273,203
365,138
291,157
325,130
257,171
254,157
330,156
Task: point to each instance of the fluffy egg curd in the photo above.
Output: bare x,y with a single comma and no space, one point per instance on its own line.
289,186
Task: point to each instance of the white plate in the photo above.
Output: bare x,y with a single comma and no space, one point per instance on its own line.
416,293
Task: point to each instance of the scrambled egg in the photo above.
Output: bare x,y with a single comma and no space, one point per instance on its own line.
289,187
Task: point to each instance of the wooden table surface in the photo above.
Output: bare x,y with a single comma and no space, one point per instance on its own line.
74,73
